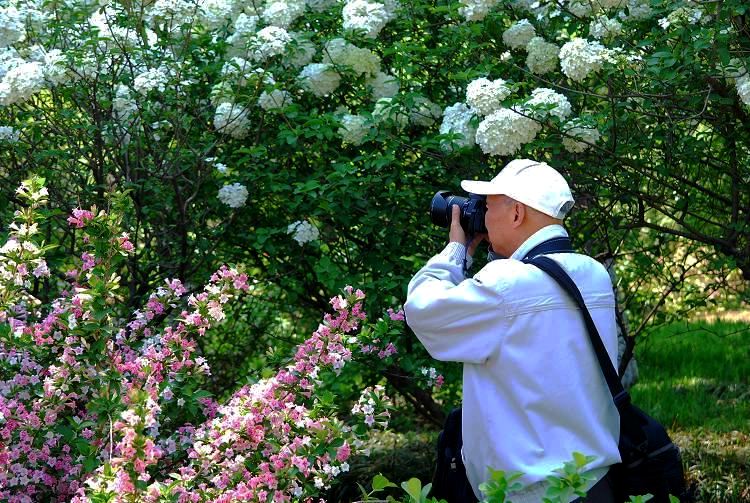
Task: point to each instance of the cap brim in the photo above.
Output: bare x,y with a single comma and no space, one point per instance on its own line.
481,188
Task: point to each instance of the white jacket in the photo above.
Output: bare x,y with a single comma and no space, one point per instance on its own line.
533,392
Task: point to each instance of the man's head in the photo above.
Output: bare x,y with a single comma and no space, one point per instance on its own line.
524,197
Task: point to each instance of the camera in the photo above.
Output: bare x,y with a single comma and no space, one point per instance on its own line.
472,209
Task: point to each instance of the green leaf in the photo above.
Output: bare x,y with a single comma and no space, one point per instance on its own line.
380,482
413,488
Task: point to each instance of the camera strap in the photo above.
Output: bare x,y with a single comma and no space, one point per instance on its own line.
555,245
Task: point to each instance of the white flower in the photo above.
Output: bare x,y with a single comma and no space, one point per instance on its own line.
457,119
743,88
579,131
233,195
424,112
319,78
545,102
9,59
365,15
149,80
172,13
604,28
275,100
242,73
580,8
304,231
214,14
542,56
21,82
55,70
639,9
232,119
124,106
485,95
354,129
519,34
283,13
681,16
9,134
12,26
268,42
504,131
387,112
383,85
244,30
476,10
579,58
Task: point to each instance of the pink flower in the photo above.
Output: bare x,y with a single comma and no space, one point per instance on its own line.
396,315
80,218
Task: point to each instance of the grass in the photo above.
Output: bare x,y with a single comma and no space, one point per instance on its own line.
695,378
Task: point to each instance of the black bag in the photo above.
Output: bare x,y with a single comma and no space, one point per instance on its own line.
449,481
651,463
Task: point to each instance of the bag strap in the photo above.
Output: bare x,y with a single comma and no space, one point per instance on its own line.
546,264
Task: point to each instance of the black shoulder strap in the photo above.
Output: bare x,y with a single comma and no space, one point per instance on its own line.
546,264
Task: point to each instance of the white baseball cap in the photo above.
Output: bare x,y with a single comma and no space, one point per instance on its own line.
535,184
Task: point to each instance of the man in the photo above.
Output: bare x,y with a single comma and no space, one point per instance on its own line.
533,391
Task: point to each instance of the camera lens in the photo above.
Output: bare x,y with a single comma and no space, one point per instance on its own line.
472,212
440,208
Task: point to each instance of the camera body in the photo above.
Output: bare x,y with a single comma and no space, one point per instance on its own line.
473,209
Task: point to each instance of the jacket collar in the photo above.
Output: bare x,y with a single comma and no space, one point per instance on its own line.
543,234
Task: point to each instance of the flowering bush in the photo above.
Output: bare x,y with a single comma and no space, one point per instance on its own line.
94,407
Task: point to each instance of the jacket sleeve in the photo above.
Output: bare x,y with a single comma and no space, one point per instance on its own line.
456,319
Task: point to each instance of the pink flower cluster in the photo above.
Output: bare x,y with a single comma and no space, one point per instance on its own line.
80,218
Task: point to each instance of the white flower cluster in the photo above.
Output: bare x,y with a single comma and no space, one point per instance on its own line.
739,73
304,231
639,9
424,112
9,134
519,34
457,119
476,10
605,28
113,36
268,42
154,78
321,79
681,16
542,56
277,99
320,5
242,73
583,136
366,15
124,107
215,14
171,14
232,119
579,58
341,53
383,85
21,82
12,27
282,13
354,129
545,102
504,131
233,195
300,51
580,8
244,28
485,95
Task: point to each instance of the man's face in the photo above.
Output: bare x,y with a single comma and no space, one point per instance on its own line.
499,222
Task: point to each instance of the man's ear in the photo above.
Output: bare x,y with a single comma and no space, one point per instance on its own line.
519,212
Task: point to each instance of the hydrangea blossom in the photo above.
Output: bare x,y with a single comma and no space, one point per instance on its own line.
743,89
354,129
300,52
124,107
242,73
232,119
544,102
154,78
519,34
341,53
283,13
582,134
171,13
233,195
579,58
304,232
9,134
504,131
457,119
244,30
12,27
682,16
277,99
542,56
476,10
320,5
639,9
485,95
383,85
268,42
215,14
604,28
21,82
320,79
580,8
365,15
424,112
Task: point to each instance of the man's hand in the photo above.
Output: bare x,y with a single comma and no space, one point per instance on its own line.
458,235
